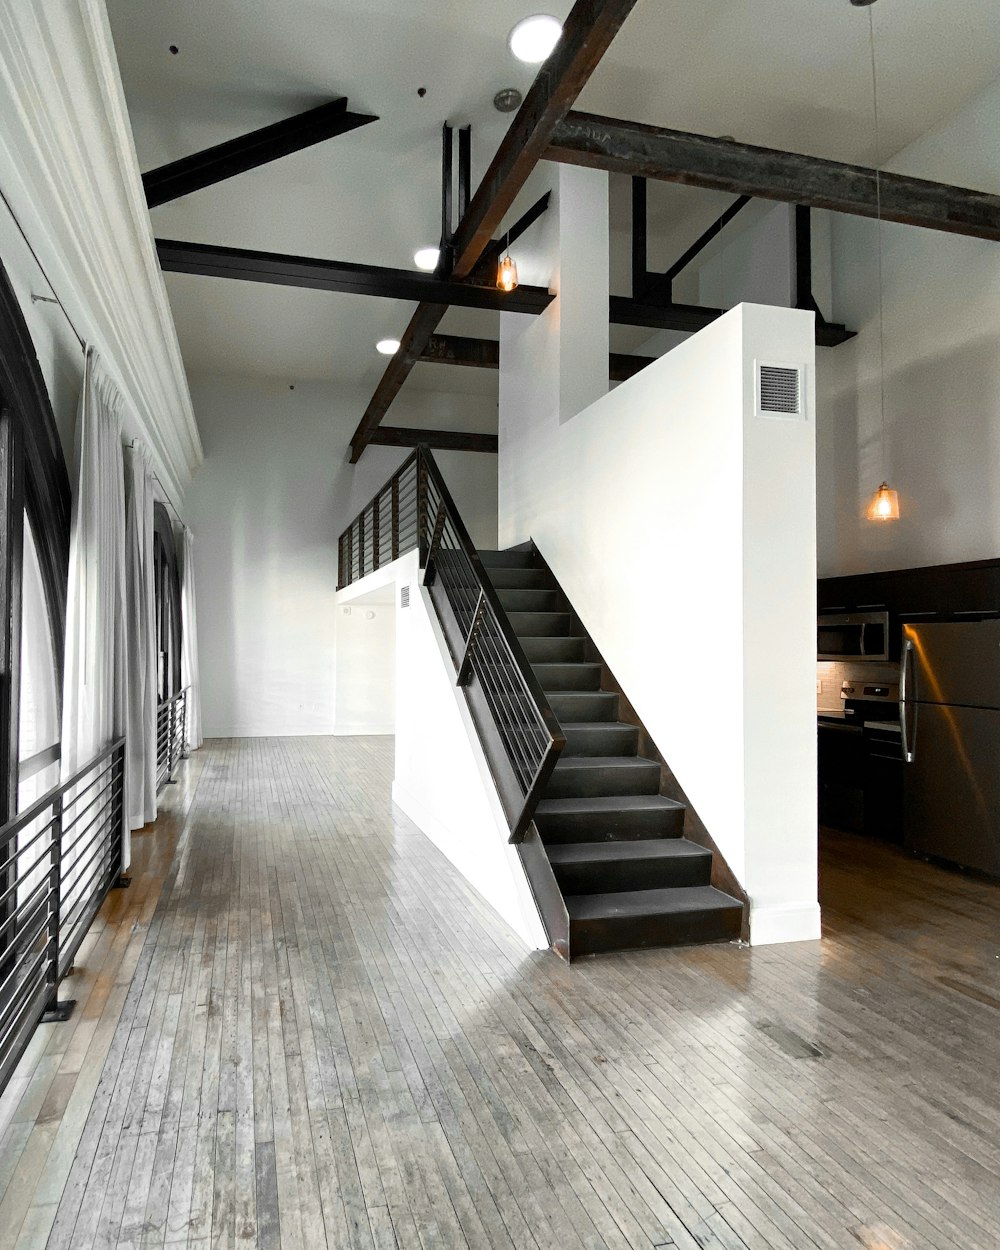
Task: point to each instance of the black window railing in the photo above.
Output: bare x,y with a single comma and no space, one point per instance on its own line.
517,728
171,736
58,859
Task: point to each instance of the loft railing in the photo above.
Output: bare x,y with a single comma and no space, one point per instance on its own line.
171,736
385,529
517,728
58,859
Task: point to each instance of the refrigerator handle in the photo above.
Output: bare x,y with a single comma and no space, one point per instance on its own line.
904,669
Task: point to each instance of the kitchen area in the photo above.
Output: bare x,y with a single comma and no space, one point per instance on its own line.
908,710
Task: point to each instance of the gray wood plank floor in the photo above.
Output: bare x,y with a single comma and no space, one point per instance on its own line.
322,1037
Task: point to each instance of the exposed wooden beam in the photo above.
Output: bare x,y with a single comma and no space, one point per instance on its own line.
440,440
454,349
587,32
236,156
723,165
334,275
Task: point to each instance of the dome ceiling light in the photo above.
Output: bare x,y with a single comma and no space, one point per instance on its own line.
388,347
426,258
533,38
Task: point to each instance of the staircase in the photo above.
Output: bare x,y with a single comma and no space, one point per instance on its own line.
628,876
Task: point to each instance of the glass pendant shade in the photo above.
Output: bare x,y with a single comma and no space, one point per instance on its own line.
507,275
884,504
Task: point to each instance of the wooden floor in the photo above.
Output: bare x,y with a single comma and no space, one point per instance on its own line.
314,1034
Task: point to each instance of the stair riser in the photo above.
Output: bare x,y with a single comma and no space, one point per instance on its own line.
592,937
540,624
568,676
601,740
583,706
553,650
574,783
620,875
508,559
610,826
529,600
520,579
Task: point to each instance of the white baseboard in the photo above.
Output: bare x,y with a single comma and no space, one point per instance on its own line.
791,922
357,730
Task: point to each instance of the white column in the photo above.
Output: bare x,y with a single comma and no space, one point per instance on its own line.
555,365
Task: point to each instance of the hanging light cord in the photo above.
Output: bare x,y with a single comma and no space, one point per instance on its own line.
878,215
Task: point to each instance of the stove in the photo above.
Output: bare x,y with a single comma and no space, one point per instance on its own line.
871,704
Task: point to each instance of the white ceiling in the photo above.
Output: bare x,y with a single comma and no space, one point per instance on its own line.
785,73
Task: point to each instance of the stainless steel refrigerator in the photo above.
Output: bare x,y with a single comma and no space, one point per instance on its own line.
950,723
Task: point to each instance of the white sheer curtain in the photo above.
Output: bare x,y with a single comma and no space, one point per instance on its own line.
140,623
95,677
190,676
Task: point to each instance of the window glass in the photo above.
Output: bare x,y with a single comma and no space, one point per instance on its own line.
39,728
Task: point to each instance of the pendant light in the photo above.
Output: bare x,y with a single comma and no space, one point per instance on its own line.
884,504
507,270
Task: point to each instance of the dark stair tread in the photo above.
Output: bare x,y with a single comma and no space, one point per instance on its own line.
603,852
568,670
600,805
631,904
636,762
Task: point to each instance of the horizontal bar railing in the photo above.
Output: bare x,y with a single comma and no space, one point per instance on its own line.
386,528
58,859
171,736
517,728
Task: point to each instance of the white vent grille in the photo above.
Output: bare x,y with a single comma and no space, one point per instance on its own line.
404,596
779,389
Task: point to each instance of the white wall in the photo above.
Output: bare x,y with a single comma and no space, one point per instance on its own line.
441,781
942,375
366,665
681,526
267,507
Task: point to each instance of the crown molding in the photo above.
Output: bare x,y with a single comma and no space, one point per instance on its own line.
69,170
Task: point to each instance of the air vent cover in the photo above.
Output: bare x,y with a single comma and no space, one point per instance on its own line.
779,390
404,596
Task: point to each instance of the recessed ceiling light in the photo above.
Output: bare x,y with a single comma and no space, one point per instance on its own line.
426,258
533,38
388,347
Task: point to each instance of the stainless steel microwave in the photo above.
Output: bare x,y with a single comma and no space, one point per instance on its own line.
853,636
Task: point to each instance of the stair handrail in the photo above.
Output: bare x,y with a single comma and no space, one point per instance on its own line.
488,606
530,764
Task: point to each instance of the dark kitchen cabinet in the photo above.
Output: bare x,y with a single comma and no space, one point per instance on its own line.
841,758
968,589
883,785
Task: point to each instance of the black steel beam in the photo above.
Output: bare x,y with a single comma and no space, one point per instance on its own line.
455,349
236,156
689,318
587,33
724,165
640,273
492,253
333,275
662,285
440,440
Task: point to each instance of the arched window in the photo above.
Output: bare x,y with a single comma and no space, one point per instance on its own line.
168,605
34,559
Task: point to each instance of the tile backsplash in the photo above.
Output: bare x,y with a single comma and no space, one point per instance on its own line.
831,675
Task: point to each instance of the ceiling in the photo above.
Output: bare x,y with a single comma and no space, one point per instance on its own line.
784,73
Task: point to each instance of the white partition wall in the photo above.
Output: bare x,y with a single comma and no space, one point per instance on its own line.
680,521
